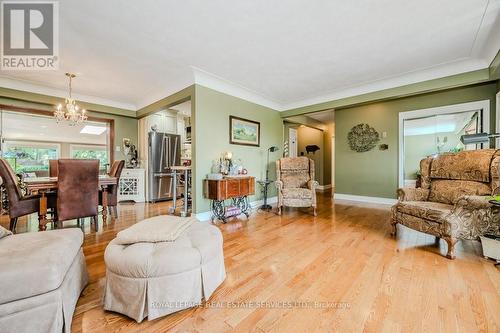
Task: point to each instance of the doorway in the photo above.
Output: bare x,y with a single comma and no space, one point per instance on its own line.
312,135
438,130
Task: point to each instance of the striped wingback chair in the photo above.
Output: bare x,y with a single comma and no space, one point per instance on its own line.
452,202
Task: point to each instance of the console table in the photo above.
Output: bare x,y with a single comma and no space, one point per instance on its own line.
236,188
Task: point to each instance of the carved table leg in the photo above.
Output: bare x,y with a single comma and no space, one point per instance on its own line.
42,214
218,211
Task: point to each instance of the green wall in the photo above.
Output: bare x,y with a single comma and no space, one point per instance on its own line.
211,136
375,173
125,127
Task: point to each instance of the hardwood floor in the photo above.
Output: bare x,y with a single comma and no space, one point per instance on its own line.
343,260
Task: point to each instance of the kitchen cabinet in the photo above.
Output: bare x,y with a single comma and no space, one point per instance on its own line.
164,121
132,185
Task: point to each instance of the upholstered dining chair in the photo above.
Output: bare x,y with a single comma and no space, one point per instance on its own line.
295,183
19,204
53,169
77,190
115,171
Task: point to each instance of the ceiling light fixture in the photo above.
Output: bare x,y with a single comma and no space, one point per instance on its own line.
71,112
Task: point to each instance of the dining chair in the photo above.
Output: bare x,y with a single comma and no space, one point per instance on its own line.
19,204
115,171
77,190
53,169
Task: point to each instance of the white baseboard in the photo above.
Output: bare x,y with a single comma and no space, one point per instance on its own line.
206,216
362,198
322,188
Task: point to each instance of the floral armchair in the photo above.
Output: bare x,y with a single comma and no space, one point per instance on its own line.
452,202
295,183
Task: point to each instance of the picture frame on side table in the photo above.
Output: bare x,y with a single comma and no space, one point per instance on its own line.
244,132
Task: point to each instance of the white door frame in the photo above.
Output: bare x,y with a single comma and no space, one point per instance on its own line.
295,152
497,123
455,108
333,165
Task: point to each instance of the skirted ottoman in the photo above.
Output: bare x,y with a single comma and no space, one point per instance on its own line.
154,279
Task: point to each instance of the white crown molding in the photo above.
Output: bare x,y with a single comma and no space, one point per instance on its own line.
362,198
39,89
487,41
206,216
435,72
220,84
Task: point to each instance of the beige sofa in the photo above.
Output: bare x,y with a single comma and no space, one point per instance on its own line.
452,202
295,183
41,277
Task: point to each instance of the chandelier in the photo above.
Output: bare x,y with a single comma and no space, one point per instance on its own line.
70,111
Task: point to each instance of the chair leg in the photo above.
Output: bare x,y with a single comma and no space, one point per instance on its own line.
394,225
279,210
451,247
314,211
115,211
13,224
96,223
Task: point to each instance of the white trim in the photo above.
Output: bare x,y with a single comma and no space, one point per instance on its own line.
215,82
362,198
454,108
218,83
410,183
322,188
497,126
55,92
206,216
460,66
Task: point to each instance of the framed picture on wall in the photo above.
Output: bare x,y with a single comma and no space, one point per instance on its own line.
244,132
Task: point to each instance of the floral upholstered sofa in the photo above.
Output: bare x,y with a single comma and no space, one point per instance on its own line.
452,202
295,183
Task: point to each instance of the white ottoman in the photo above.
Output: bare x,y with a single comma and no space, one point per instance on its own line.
156,279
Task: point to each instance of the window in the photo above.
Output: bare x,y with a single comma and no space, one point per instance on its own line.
30,157
97,152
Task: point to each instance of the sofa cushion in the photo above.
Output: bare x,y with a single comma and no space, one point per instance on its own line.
434,211
297,193
466,165
449,191
36,262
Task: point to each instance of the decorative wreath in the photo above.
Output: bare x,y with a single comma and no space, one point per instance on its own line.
362,137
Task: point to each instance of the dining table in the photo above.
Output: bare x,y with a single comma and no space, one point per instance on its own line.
42,185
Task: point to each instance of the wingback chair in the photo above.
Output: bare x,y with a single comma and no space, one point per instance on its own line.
452,202
295,183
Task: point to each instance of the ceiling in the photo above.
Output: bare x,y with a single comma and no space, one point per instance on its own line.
26,127
445,123
326,117
281,54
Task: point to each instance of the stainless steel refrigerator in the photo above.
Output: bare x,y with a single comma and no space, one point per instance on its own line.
164,152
